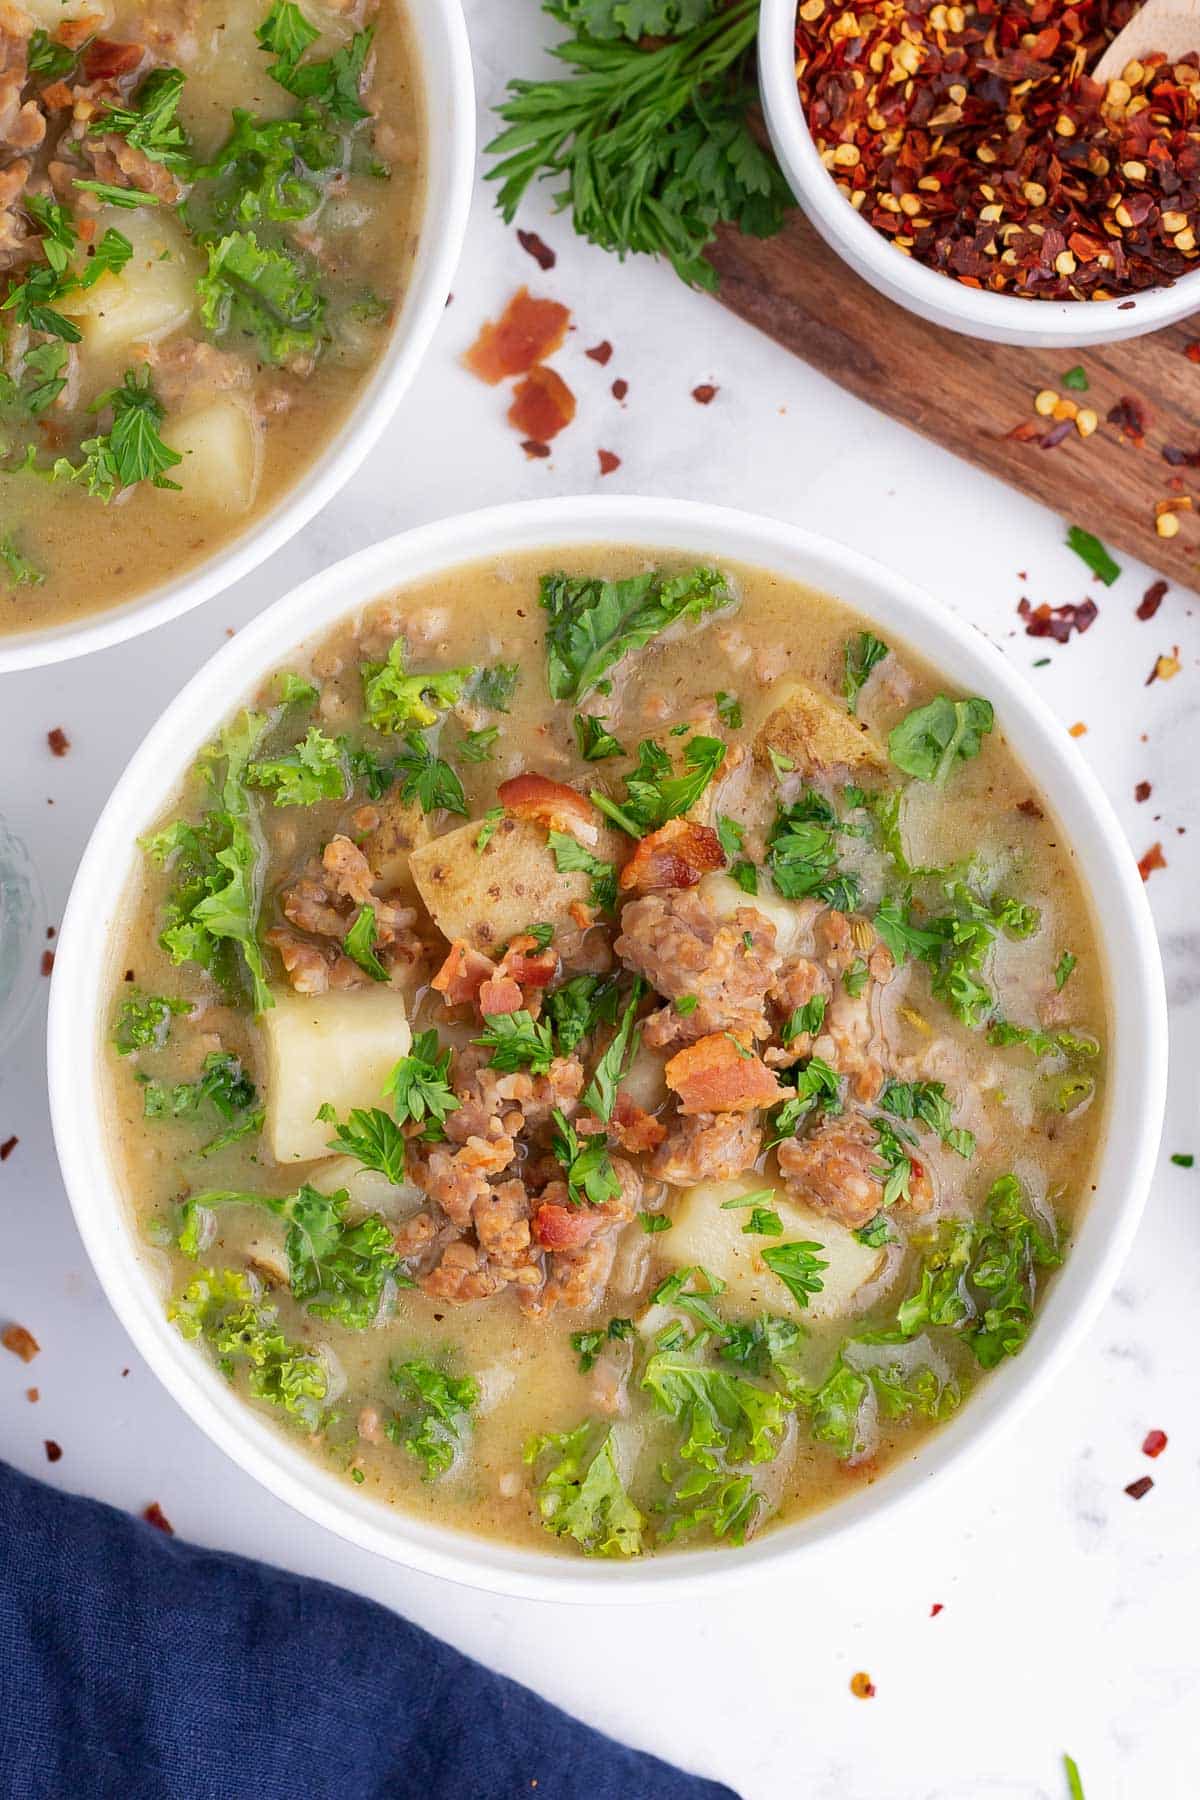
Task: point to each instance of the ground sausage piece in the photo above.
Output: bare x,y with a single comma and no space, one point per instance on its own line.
501,1218
831,1170
458,1179
682,948
707,1147
462,1274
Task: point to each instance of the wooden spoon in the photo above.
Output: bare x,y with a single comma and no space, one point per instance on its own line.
1172,26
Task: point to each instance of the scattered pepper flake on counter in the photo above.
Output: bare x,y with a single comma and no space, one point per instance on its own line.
705,394
861,1686
7,1147
1153,859
1165,668
58,741
1142,791
1077,730
154,1515
981,148
601,352
47,963
1180,459
526,333
1137,1490
609,461
543,405
1151,600
1154,1443
619,389
542,254
1091,551
1058,622
935,1609
20,1341
53,1450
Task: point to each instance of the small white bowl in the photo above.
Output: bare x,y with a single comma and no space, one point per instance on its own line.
82,988
443,56
1000,318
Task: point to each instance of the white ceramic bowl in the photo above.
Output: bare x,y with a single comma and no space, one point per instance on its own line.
1000,318
81,997
443,53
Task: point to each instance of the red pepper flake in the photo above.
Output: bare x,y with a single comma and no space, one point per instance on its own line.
1153,859
1130,417
1055,436
1154,1443
1058,622
608,461
619,389
532,448
705,394
541,253
935,1609
1151,600
154,1515
1027,429
1180,459
47,962
58,741
601,352
1137,1490
1142,791
7,1148
32,1395
53,1451
527,331
861,1686
542,405
21,1342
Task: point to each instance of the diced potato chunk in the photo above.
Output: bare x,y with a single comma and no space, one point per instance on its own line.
153,294
49,13
488,896
723,896
369,1190
403,827
221,447
705,1234
817,733
338,1048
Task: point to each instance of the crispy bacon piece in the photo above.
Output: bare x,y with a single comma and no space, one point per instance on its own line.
499,994
528,965
675,856
566,1227
57,97
526,332
634,1128
462,974
21,1342
75,32
550,803
105,61
543,405
719,1073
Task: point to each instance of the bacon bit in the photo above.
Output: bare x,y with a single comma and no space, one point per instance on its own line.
634,1128
532,448
1058,622
526,332
674,856
57,97
550,803
601,352
105,61
58,741
935,1609
566,1227
861,1686
543,405
47,962
582,914
1142,791
608,461
541,253
1131,418
53,1450
1153,859
22,1343
1151,600
1030,808
154,1515
528,965
619,389
705,394
462,974
7,1147
1154,1443
1078,730
32,1395
1137,1490
499,994
1165,668
720,1074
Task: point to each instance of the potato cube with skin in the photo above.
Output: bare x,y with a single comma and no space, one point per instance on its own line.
488,896
816,733
403,827
336,1048
221,447
707,1235
155,292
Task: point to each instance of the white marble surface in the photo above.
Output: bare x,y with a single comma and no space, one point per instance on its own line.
1068,1608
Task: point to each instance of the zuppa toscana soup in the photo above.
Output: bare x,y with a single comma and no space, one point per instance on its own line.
607,1052
206,223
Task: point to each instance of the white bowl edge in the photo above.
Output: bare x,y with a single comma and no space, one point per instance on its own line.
439,37
77,1025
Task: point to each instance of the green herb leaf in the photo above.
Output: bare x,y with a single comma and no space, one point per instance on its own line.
420,1083
359,944
600,1095
580,1493
802,853
808,1018
1090,550
144,1022
570,857
517,1041
496,685
313,770
372,1137
594,741
798,1266
425,777
20,569
256,291
861,654
439,1407
223,1307
1064,969
930,740
586,1163
150,124
594,624
1076,379
578,1006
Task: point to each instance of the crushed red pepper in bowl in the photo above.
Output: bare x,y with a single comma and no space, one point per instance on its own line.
973,138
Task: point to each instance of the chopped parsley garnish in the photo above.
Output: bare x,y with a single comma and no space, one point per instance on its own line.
47,60
654,793
334,82
496,685
1184,1159
596,743
1076,379
729,711
1090,550
20,569
802,853
487,828
370,1135
875,1233
798,1266
601,1092
149,124
686,1005
861,654
579,1005
587,1344
1064,969
223,1086
926,1103
144,1022
295,690
653,1222
420,1084
437,1410
572,857
855,978
590,1175
817,1084
807,1018
477,746
930,740
224,1308
594,624
731,836
132,449
312,770
517,1041
359,944
426,777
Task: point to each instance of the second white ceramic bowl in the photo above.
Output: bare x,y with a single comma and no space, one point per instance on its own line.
443,53
82,987
1000,318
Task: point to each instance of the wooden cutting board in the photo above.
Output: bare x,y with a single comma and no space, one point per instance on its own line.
969,396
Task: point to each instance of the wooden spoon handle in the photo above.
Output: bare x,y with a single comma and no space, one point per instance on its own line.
1169,25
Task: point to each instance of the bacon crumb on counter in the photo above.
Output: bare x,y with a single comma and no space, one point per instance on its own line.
1078,730
1142,791
601,352
1137,1490
1152,599
154,1515
47,963
861,1686
53,1450
527,331
1058,622
7,1148
543,405
542,254
609,461
21,1342
58,741
619,389
1153,859
533,449
1154,1443
705,394
719,1074
33,1395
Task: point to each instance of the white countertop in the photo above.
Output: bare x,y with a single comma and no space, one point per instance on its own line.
1068,1607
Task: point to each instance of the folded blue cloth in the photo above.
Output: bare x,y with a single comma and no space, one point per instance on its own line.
137,1666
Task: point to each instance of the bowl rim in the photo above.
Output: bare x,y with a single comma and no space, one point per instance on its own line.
1006,317
443,54
80,992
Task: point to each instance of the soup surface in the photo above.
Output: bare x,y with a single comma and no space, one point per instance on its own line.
607,1052
207,215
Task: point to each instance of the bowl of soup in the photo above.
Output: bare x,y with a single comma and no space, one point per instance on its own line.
599,1045
226,238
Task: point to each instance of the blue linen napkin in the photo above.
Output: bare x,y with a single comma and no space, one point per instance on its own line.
137,1666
